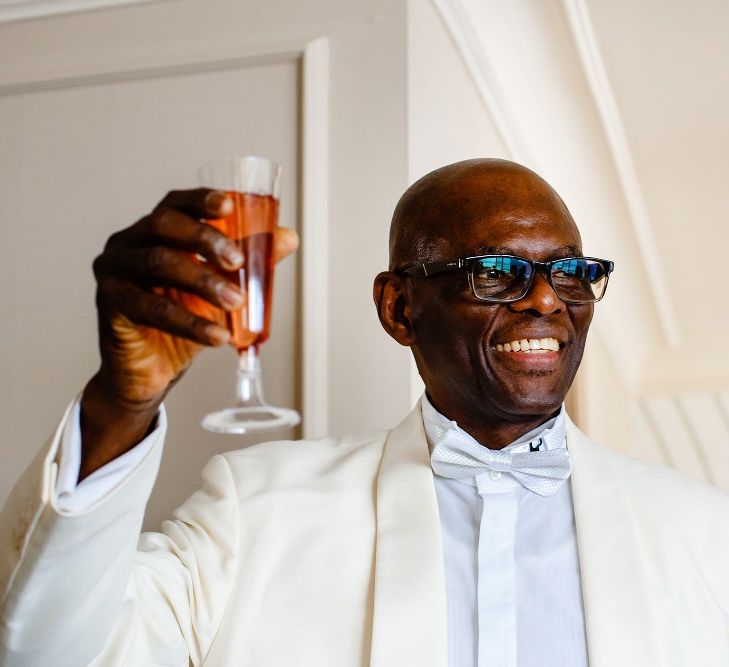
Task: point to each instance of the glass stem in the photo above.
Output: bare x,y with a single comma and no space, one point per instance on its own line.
249,387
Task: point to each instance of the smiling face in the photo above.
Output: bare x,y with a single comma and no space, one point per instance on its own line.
465,348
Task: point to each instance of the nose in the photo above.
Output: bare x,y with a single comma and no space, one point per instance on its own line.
540,300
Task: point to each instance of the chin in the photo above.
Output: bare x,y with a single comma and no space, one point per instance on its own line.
530,405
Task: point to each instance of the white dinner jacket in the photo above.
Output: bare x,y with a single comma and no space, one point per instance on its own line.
327,553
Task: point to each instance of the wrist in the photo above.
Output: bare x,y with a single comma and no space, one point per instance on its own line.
111,425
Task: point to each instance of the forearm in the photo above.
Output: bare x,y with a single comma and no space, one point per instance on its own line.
110,427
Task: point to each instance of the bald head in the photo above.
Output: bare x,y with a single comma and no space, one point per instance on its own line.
432,210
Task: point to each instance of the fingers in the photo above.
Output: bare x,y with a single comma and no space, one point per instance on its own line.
169,227
162,249
199,203
161,266
176,222
205,203
158,312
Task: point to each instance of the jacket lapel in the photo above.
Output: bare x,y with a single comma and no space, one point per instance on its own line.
409,623
621,619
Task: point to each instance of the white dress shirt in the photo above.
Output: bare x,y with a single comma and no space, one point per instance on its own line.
511,564
76,497
512,571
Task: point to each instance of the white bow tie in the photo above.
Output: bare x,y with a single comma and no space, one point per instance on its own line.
458,456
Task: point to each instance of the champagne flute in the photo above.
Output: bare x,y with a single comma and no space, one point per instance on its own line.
252,183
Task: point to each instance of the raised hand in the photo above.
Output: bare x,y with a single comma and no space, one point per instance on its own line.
150,329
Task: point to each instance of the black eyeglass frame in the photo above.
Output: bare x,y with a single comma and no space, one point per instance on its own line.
431,269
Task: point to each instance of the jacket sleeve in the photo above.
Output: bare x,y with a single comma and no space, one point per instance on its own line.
73,496
85,589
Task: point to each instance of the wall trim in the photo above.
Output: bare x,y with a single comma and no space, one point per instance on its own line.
313,57
588,50
315,238
64,82
21,10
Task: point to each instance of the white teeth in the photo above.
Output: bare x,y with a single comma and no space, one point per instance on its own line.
549,344
536,345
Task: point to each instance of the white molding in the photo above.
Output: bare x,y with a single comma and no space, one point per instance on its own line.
64,82
21,10
596,75
314,171
315,238
477,61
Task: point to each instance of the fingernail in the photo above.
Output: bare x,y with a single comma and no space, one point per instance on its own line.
219,201
230,296
232,256
218,335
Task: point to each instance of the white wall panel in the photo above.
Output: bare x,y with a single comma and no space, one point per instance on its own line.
646,443
703,412
671,427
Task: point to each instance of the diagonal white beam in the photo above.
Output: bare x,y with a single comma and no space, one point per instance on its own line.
461,26
597,78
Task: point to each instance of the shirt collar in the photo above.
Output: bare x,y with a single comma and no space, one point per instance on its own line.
551,433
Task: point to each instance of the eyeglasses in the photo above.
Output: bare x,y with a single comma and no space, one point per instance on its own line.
504,278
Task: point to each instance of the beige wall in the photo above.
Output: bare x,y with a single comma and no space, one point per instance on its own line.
48,350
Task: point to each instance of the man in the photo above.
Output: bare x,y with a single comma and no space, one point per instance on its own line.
485,529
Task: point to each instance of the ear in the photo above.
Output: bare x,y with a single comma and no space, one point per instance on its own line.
391,300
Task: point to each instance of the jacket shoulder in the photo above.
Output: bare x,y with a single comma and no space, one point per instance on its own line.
663,498
325,446
350,459
665,483
680,520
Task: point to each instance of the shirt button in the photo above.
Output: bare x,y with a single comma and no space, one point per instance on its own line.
495,474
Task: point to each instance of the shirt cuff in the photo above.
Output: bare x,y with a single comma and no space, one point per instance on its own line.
72,496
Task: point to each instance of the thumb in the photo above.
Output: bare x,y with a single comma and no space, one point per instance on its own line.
285,242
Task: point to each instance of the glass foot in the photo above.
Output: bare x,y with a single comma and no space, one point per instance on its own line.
250,419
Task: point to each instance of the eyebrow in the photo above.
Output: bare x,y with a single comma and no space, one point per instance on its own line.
563,251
